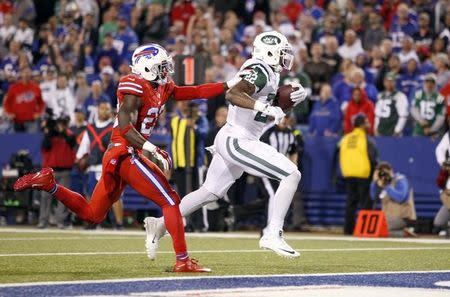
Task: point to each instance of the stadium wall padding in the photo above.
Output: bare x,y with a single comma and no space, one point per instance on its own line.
321,183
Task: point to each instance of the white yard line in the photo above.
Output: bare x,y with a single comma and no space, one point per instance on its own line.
222,251
237,235
123,280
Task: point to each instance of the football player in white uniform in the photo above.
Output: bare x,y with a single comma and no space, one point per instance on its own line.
237,148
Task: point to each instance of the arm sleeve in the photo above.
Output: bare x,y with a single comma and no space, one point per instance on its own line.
442,148
84,147
415,113
198,92
440,117
8,102
336,124
399,192
402,109
375,125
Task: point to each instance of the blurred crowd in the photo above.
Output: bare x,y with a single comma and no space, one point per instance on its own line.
386,59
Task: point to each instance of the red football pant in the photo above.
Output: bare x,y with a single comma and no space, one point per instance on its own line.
120,169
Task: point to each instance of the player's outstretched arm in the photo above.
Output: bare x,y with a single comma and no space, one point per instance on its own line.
127,117
208,90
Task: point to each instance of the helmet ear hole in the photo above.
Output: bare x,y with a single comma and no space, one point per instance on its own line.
270,54
146,69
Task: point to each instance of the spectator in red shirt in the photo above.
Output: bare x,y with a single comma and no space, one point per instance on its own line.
359,103
182,11
445,91
292,10
388,11
23,103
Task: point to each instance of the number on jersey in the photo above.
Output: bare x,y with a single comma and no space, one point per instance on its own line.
427,109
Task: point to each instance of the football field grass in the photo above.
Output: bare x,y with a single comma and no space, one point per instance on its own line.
29,256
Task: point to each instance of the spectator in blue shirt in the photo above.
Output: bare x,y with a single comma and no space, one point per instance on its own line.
95,98
12,57
329,28
409,81
397,201
125,39
403,23
313,10
109,52
109,84
325,118
343,91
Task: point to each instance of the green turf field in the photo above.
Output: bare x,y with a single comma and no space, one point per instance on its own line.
58,256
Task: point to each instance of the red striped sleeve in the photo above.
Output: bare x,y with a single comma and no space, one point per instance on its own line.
128,87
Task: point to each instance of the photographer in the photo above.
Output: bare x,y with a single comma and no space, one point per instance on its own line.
57,152
397,200
442,218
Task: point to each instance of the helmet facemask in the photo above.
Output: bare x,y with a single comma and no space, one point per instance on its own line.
162,71
286,57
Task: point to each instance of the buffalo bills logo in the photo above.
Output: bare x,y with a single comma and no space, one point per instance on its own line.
147,53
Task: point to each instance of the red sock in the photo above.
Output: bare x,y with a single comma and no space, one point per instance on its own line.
174,225
74,201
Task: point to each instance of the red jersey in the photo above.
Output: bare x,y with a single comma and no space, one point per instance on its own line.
445,91
24,100
153,101
365,106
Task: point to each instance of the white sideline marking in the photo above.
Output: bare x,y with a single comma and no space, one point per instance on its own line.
123,280
304,291
67,238
225,251
250,235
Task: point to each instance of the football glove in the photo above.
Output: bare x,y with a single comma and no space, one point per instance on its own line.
298,95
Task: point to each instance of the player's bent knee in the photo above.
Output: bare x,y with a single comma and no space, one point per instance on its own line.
89,216
294,177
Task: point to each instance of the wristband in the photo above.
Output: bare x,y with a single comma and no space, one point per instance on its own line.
259,106
148,146
126,129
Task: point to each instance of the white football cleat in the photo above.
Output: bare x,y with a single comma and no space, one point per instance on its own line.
276,243
154,232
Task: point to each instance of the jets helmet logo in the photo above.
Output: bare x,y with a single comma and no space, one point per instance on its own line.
271,40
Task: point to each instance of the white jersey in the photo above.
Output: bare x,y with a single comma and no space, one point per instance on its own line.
248,123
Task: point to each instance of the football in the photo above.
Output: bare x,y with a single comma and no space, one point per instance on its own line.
283,98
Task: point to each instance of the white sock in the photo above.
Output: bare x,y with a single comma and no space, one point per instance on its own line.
282,200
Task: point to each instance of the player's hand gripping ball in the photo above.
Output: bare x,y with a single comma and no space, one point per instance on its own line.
289,96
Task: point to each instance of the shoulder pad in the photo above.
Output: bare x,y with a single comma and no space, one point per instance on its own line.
130,84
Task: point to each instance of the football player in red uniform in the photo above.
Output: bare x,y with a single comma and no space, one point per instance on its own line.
141,98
